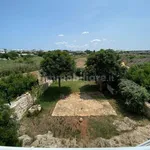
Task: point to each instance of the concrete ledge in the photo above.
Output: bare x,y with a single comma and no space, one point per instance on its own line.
147,110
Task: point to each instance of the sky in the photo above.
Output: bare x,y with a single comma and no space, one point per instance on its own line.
75,24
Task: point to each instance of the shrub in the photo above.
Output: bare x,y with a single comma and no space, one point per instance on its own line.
79,72
8,127
15,85
133,96
140,74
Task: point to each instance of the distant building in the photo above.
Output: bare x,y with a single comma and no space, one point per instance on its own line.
2,51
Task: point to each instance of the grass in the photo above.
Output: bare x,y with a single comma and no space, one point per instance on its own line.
63,126
19,65
102,127
54,93
69,127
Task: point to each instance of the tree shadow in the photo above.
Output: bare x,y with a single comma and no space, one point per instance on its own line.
89,88
90,92
54,93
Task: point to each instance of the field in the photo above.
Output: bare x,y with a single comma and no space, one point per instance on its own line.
19,65
64,126
129,59
80,61
132,59
33,63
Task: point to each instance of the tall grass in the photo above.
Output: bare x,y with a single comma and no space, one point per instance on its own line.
8,67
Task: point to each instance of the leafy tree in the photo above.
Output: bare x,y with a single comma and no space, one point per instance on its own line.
88,51
40,53
140,74
5,55
133,96
105,63
8,127
57,64
13,55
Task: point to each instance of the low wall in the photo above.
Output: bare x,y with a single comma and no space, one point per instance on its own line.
25,101
21,105
147,110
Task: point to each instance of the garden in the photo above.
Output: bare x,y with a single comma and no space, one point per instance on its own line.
84,110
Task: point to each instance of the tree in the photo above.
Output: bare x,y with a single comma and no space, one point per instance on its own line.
57,64
8,127
105,63
40,53
140,74
13,55
5,55
88,51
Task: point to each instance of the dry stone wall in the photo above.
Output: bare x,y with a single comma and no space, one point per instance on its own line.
25,101
22,104
147,109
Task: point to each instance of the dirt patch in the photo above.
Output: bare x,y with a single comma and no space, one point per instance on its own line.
80,62
84,129
85,105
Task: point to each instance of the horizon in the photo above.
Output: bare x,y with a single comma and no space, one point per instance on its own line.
75,25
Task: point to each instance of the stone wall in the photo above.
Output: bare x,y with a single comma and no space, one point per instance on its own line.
147,109
21,105
25,101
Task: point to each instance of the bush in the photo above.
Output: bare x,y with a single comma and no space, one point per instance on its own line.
133,96
140,74
79,72
15,85
8,127
20,65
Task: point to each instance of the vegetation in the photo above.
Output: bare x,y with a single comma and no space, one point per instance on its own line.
19,65
15,85
102,127
10,55
67,88
57,64
140,74
8,127
79,72
105,63
133,96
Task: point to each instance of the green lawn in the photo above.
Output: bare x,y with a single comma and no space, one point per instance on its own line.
54,93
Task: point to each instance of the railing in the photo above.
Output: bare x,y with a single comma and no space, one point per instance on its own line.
147,143
32,148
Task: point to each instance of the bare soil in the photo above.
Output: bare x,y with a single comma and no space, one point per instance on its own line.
80,62
82,104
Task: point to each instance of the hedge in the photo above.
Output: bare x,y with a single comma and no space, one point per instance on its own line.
133,96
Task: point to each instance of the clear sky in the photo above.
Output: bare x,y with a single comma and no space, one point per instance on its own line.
75,24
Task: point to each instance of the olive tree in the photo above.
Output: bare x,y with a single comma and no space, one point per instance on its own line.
57,64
